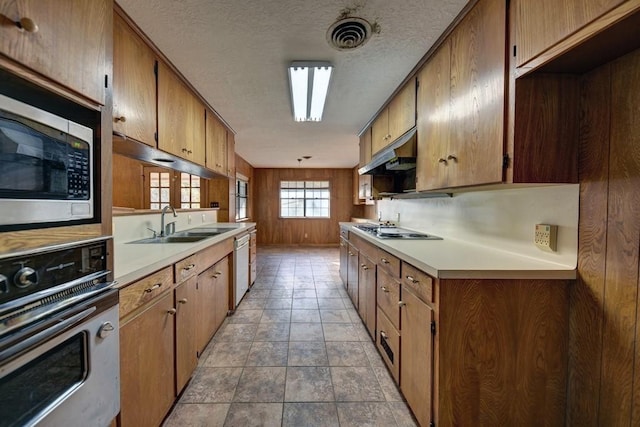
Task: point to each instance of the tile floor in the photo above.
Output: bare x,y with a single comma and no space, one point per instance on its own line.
295,353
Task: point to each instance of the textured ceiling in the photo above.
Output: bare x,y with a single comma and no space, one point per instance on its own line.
236,52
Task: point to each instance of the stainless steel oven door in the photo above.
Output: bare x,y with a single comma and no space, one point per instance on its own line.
66,374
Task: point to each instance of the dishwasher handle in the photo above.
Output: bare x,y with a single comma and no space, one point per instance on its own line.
242,241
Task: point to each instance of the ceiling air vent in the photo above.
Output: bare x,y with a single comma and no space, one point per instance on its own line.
348,33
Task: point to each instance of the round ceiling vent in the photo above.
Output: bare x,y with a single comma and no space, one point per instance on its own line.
348,33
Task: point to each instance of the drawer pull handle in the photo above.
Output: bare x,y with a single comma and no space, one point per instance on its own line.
121,119
384,335
401,303
442,160
351,254
452,157
364,267
153,288
384,260
412,280
183,301
216,275
188,267
384,289
171,311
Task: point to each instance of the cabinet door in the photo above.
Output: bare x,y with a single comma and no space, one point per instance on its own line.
344,260
186,331
216,146
477,96
222,284
380,132
540,24
416,349
69,45
402,111
434,109
134,85
352,276
231,164
147,365
180,118
206,307
365,147
367,293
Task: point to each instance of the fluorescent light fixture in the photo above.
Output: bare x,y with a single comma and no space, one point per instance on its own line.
309,83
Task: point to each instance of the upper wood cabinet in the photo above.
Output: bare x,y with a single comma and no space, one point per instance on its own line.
396,119
365,147
69,45
134,84
216,146
231,158
181,118
461,104
362,191
540,24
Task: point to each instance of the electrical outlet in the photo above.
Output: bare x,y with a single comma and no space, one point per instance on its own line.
189,219
546,237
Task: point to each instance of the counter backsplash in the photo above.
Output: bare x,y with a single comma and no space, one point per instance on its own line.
503,219
133,227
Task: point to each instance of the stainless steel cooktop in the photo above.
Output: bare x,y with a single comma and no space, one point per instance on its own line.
393,232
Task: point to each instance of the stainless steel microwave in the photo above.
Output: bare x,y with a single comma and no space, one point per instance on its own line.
46,167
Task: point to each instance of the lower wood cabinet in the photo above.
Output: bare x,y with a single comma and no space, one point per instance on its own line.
186,305
212,301
465,351
344,260
352,274
416,349
147,365
367,293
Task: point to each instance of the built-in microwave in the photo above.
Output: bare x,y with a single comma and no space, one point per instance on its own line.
46,168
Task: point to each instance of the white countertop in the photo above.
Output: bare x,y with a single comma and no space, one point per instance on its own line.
134,261
456,259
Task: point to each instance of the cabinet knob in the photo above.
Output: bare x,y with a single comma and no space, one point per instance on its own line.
401,303
121,119
28,25
183,301
442,160
384,335
184,150
452,157
171,311
364,267
384,289
188,267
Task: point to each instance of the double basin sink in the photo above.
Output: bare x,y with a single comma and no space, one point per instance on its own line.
187,236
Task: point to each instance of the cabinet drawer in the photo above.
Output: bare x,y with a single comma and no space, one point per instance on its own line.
186,268
420,283
388,297
388,343
344,233
209,256
389,262
144,290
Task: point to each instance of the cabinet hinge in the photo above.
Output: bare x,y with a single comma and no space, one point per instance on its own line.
155,68
106,81
432,424
505,161
433,327
155,136
514,50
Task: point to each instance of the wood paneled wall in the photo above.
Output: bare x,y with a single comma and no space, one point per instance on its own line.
128,182
273,230
604,357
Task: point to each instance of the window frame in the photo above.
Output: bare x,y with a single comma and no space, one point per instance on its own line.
241,179
305,199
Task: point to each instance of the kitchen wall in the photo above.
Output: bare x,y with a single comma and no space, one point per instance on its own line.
275,230
502,218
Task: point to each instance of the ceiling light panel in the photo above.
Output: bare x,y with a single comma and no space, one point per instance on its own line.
309,84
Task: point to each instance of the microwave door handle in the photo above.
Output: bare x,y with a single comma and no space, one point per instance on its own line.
45,335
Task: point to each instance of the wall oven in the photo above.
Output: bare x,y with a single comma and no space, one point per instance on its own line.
59,338
47,168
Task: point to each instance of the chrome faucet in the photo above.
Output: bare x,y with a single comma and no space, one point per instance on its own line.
171,227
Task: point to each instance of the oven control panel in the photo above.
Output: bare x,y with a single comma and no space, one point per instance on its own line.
26,274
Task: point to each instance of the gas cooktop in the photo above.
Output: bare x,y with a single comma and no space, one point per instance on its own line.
393,232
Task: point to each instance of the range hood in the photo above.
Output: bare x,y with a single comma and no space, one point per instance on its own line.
397,157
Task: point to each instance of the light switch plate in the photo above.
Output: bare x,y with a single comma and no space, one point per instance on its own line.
546,237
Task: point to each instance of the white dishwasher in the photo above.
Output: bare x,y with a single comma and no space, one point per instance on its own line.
241,267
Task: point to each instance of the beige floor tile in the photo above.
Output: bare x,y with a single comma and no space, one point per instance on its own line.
198,415
254,415
310,415
308,384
